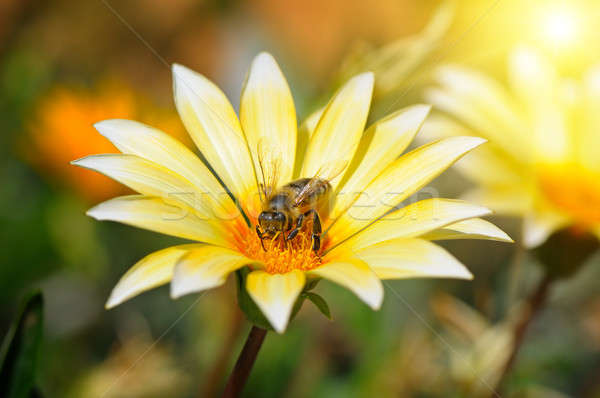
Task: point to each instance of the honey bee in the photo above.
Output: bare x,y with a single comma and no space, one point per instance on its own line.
285,209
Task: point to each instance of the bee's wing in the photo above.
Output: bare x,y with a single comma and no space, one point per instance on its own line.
327,172
269,162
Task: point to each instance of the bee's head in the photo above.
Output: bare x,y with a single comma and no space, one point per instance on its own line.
271,222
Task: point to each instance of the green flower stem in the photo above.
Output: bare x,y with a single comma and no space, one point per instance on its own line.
243,366
535,303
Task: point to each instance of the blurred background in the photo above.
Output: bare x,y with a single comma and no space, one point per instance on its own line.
65,65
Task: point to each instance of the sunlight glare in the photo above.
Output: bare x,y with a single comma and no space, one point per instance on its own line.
560,25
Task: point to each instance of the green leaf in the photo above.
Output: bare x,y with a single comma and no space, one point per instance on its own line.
320,303
247,305
20,348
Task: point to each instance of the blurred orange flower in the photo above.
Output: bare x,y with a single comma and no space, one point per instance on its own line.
62,129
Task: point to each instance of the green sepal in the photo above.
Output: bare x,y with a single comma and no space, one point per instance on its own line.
320,303
316,299
253,314
312,283
297,306
20,350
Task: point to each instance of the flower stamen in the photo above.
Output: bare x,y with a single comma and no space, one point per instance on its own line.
281,256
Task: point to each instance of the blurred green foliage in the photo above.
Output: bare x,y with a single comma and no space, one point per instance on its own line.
20,350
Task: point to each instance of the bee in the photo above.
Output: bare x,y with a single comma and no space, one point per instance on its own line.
285,209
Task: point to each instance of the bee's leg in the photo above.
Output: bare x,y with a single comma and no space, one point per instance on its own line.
295,231
260,236
316,230
284,239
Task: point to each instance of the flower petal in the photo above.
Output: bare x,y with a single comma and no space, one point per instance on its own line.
356,276
205,268
268,114
537,83
484,105
311,122
341,126
474,228
516,199
138,139
488,165
211,121
533,78
381,144
589,140
152,271
411,258
414,220
401,179
305,132
538,227
275,294
155,214
148,178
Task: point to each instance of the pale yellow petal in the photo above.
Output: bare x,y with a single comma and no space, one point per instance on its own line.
401,179
338,132
484,105
305,132
411,258
538,227
213,125
532,77
275,294
356,276
268,114
514,200
152,271
381,144
414,220
535,81
138,139
204,268
589,145
155,214
474,228
439,125
488,165
149,178
311,122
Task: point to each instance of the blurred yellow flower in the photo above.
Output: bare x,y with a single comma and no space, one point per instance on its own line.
180,196
479,349
543,161
63,129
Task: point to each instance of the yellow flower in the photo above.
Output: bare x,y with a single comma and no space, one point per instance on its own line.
180,196
480,349
543,161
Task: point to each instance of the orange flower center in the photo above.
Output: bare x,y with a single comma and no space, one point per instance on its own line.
574,190
280,256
